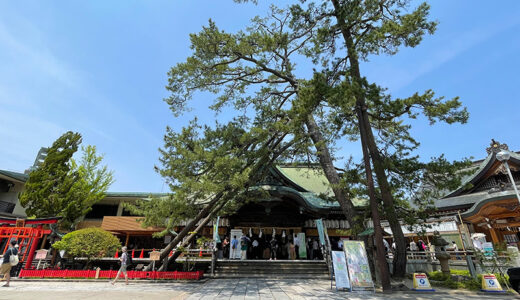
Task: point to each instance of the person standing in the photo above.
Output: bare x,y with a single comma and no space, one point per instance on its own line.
315,249
5,269
455,250
292,250
413,247
234,247
124,264
225,248
256,248
243,247
297,245
274,248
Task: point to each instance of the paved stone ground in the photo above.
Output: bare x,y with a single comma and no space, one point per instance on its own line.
244,288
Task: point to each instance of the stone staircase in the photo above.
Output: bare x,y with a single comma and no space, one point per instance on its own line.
316,269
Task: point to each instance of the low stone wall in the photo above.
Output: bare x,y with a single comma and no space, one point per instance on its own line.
425,266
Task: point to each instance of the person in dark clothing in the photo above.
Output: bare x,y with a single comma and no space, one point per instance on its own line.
5,269
274,248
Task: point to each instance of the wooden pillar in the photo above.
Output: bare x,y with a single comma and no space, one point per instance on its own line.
32,250
494,236
127,239
44,242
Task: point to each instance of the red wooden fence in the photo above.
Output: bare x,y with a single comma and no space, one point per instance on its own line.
109,274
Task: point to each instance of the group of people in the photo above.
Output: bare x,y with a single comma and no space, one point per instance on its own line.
267,247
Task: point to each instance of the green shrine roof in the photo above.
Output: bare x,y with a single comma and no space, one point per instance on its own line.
310,179
313,181
15,175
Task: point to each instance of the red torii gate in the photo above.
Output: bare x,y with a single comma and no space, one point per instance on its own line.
27,237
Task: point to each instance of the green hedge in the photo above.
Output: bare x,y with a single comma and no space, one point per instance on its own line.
440,279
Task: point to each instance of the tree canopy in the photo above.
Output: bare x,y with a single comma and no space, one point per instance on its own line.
62,187
89,242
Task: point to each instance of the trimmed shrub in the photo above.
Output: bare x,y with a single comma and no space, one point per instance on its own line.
89,242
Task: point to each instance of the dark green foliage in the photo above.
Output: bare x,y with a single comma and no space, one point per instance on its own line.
458,279
202,163
89,242
48,191
64,188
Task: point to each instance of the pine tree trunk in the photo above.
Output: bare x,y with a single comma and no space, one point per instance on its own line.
374,209
399,262
327,165
184,232
192,236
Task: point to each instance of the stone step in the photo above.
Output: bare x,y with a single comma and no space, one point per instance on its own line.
271,269
272,276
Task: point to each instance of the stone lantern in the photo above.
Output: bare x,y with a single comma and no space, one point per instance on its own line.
440,252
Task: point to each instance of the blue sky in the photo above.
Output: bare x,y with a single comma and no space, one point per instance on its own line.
99,68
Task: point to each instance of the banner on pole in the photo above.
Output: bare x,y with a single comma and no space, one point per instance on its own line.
216,237
340,270
357,263
234,248
321,234
302,250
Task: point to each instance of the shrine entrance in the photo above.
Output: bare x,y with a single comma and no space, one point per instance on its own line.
273,228
26,237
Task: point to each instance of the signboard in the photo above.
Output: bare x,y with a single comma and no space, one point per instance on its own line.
235,253
357,263
41,254
155,255
340,270
302,250
487,247
491,284
421,282
321,234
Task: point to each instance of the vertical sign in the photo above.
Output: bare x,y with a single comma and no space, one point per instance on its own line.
488,249
319,226
357,263
340,270
235,253
302,250
216,237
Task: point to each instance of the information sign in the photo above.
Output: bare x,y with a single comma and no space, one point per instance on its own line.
421,282
491,284
357,263
155,255
487,247
340,270
41,254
